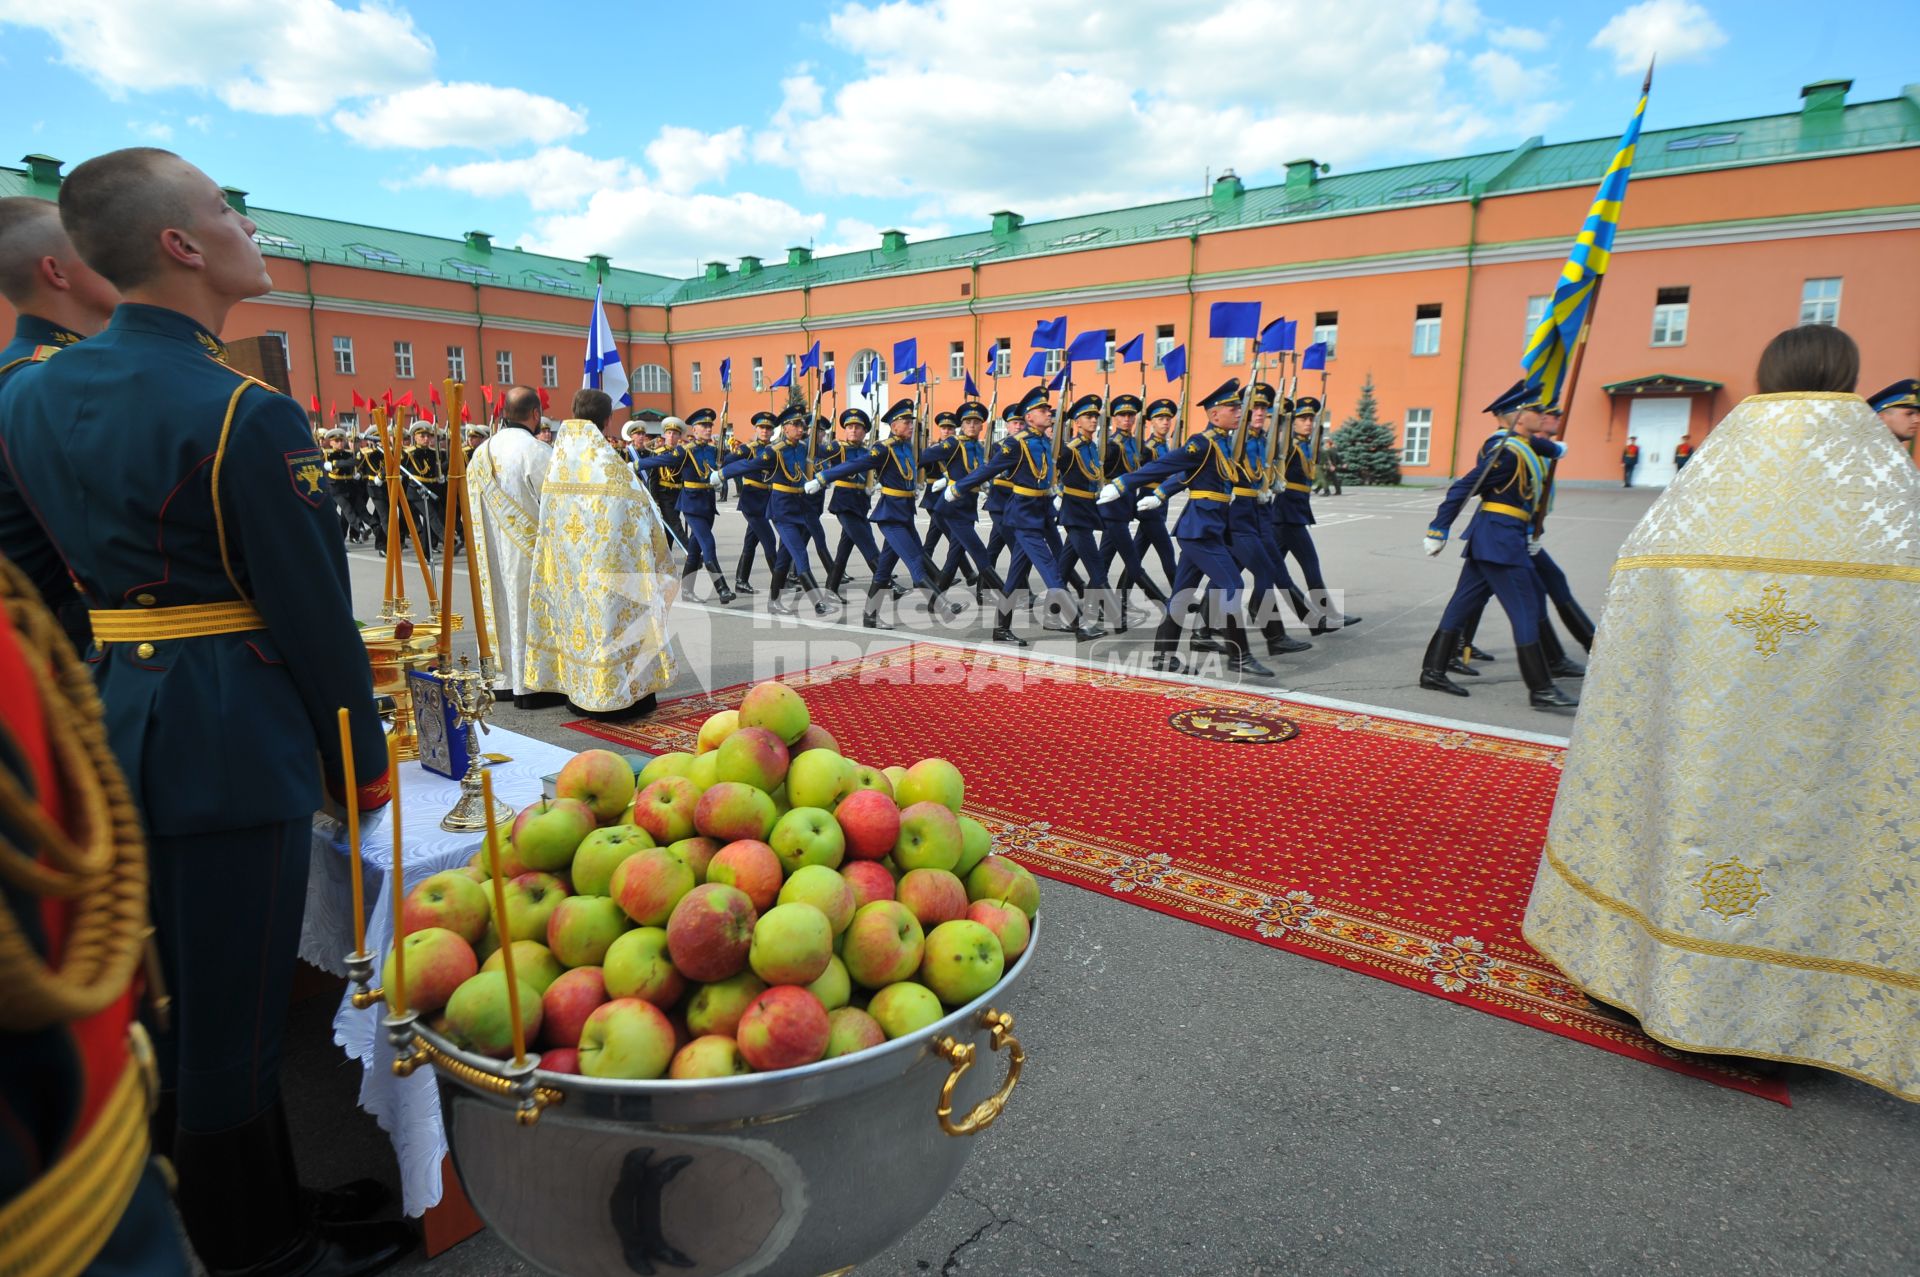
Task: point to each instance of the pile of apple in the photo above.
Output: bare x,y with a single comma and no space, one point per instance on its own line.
761,904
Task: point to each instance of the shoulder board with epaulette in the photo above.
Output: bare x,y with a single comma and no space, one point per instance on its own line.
243,376
40,355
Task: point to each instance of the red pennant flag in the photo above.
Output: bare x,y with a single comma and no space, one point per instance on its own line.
333,410
545,403
406,400
433,392
316,405
466,414
358,402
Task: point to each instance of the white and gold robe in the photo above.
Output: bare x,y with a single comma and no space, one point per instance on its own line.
504,478
603,579
1734,855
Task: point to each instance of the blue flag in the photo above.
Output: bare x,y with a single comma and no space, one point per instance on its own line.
826,382
1233,319
726,374
1037,364
914,376
1050,334
1314,357
870,380
972,391
1175,362
1088,345
1273,337
811,359
1290,335
1059,378
784,380
603,370
1135,351
906,354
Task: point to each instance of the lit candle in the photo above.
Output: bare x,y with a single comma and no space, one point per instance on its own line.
398,885
500,921
480,628
353,836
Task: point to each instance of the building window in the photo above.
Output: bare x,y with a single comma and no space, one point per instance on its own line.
1326,330
286,351
759,373
1055,358
343,355
550,370
403,360
792,365
1820,301
1003,357
350,419
653,379
503,367
1106,360
694,374
1162,343
457,363
1670,317
1426,330
1419,437
827,364
1235,351
863,362
1536,311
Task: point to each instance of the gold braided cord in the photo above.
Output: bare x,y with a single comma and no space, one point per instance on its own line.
1760,563
101,869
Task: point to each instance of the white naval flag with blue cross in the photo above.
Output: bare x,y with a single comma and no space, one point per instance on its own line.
603,358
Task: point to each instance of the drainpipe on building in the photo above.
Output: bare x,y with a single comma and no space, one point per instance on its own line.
1466,323
1193,268
973,308
480,340
313,329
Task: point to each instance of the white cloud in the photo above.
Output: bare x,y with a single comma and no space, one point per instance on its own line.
297,57
852,235
483,116
645,228
683,158
151,130
1525,39
199,122
554,177
1676,30
1506,80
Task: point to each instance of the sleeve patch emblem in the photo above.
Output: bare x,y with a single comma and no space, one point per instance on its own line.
307,473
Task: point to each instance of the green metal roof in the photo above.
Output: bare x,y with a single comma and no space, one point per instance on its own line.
1532,165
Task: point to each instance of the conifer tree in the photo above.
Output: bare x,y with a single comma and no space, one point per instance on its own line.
1368,448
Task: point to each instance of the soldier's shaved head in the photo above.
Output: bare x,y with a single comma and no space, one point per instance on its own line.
522,406
42,274
116,206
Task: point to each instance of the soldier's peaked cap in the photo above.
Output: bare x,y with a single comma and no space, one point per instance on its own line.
1904,393
1264,395
901,408
1162,408
856,417
1124,403
1084,406
1227,392
1305,406
972,410
764,418
1517,396
947,419
701,417
1034,398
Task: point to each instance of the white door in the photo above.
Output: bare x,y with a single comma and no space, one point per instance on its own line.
1658,426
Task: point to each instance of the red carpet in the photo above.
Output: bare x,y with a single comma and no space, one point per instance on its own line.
1395,849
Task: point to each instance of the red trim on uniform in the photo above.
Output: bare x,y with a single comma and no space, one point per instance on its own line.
264,658
7,457
160,530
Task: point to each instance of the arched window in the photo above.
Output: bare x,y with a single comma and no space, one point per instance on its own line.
652,379
854,397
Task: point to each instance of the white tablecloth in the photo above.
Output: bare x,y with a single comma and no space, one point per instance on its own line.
407,1109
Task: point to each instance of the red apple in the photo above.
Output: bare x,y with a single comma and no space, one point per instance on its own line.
451,900
732,810
438,962
649,883
717,1007
930,838
998,878
600,779
710,1056
850,1029
638,966
752,756
934,895
582,928
776,707
566,1004
710,931
750,865
665,808
884,943
546,834
783,1028
808,836
871,823
870,881
815,737
561,1059
1008,923
792,944
626,1038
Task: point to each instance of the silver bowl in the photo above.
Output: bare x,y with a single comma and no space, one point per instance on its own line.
799,1173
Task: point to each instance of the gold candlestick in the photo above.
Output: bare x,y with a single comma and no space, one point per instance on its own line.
472,696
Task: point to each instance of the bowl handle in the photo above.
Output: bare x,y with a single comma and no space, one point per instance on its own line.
533,1100
960,1056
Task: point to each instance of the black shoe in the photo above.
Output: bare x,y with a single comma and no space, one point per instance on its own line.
872,621
1433,666
537,700
639,709
1458,666
1541,692
1168,663
1285,646
780,603
1087,633
347,1203
1245,663
742,586
1551,697
1566,667
1005,634
720,590
1204,641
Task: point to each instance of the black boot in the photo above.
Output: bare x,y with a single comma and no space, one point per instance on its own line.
1578,624
720,590
811,587
740,583
241,1205
1559,664
1239,655
1462,660
1433,667
837,570
1278,644
1541,693
777,593
1166,646
870,610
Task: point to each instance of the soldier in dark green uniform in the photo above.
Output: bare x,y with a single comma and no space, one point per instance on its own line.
206,546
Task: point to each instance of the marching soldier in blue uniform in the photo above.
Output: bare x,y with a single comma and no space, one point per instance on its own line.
933,469
425,481
999,537
1899,407
816,502
898,470
1249,528
850,500
1152,532
1509,477
1025,458
956,459
695,467
1125,452
1082,473
784,470
1293,516
1206,471
206,546
754,494
665,479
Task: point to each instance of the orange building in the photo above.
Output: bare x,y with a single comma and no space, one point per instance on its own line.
1424,277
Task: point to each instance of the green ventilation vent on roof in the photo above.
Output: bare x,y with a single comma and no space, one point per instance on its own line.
43,169
480,241
715,270
799,255
893,241
1006,222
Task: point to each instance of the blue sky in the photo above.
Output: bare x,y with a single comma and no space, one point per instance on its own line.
669,134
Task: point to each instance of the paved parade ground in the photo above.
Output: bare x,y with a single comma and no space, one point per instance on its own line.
1193,1104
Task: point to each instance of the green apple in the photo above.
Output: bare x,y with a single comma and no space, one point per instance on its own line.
534,966
752,756
709,1056
716,1007
531,900
600,851
819,779
705,772
808,836
478,1016
582,927
626,1038
663,766
638,966
717,728
905,1008
776,707
792,944
931,780
850,1029
975,844
963,960
884,943
930,837
546,834
834,987
998,878
825,890
599,778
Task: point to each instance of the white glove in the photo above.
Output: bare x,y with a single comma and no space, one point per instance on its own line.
1152,501
1434,542
1533,546
942,485
1111,492
953,494
1266,498
1059,504
814,485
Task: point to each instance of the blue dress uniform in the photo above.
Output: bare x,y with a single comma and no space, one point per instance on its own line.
785,470
754,494
1248,527
898,470
1152,532
1203,466
1293,515
35,340
933,468
695,469
207,547
665,482
1509,476
945,462
849,501
1126,453
1081,478
1026,460
816,502
999,537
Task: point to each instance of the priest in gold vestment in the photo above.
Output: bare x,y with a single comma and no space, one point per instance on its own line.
1734,855
603,576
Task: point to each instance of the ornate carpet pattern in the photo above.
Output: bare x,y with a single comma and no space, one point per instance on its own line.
1396,849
